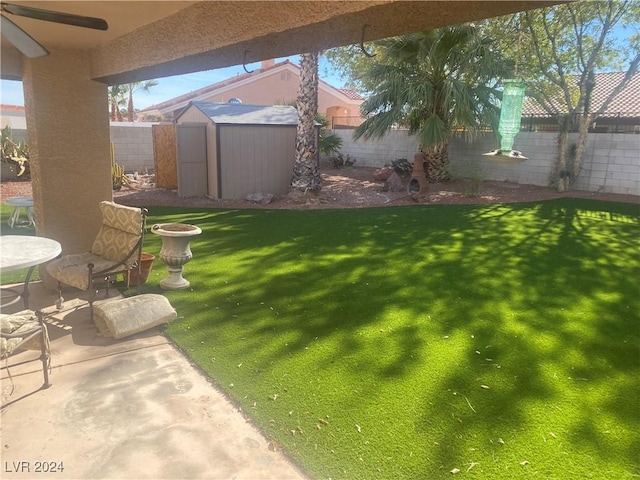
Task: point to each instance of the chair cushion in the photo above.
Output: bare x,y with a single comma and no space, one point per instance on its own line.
128,316
114,245
16,323
72,269
121,217
121,229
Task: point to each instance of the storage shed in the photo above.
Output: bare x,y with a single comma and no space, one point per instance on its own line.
228,151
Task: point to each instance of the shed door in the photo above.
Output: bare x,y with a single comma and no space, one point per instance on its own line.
191,146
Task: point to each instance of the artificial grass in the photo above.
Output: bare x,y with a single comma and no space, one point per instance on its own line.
363,341
499,340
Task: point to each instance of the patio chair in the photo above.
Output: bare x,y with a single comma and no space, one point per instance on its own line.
116,250
25,330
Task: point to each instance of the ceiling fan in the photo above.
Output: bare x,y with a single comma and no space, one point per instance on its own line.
24,42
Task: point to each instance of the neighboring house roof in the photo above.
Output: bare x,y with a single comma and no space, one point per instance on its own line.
204,92
352,94
227,113
626,102
13,116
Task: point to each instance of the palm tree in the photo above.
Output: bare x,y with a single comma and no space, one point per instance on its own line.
116,100
434,82
306,177
136,87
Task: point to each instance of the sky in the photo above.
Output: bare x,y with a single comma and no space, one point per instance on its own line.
170,87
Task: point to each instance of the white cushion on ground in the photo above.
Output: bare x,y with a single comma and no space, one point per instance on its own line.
128,316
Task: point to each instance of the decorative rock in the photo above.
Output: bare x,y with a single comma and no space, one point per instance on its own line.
383,174
393,183
259,197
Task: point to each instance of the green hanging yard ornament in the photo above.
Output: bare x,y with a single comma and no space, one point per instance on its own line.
510,118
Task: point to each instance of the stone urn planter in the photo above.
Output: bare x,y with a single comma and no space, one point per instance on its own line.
176,251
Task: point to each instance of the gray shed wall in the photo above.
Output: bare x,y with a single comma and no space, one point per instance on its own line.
194,115
255,158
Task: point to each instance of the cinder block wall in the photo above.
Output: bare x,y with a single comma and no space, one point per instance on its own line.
132,143
133,146
611,163
376,153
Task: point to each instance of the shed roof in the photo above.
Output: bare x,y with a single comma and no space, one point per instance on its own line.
227,113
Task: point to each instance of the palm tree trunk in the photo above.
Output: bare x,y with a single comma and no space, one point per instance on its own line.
436,162
306,177
114,109
130,104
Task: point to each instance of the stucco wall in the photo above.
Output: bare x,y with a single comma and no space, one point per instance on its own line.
611,163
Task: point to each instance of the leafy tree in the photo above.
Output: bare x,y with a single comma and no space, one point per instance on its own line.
433,82
553,47
306,177
352,64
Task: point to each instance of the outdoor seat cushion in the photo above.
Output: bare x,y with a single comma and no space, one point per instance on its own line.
73,270
24,322
121,318
120,232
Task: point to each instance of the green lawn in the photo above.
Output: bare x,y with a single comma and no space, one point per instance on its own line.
405,342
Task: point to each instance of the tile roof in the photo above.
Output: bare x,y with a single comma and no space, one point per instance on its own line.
352,94
626,102
349,93
12,108
210,88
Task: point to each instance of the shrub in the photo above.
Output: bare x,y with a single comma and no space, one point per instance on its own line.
402,166
339,161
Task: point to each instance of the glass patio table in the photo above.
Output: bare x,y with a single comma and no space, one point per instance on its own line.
21,251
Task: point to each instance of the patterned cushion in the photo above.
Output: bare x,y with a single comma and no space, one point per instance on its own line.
121,229
72,269
121,217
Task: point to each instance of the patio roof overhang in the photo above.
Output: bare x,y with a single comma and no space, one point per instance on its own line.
156,39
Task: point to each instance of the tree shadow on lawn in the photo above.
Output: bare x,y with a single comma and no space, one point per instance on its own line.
537,302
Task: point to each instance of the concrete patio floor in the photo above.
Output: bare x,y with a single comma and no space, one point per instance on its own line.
122,409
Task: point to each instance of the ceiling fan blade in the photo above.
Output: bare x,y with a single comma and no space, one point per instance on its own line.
21,40
57,17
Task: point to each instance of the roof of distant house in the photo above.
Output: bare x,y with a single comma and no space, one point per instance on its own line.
352,94
227,113
12,109
626,102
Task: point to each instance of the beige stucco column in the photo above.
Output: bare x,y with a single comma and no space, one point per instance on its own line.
68,138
